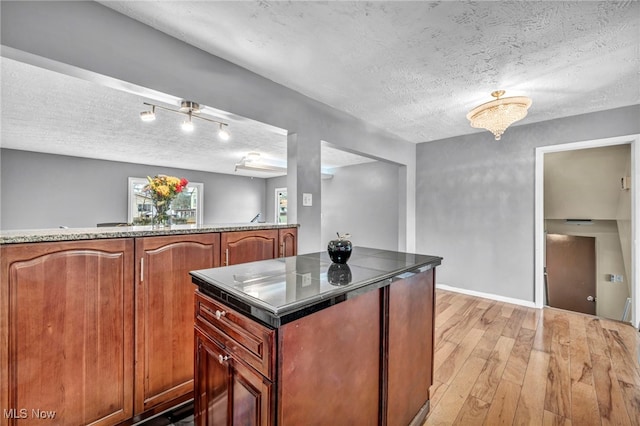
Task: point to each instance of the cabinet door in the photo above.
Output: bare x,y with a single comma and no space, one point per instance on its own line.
248,246
164,314
227,391
411,311
288,242
66,321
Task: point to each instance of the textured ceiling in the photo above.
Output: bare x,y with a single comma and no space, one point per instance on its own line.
416,68
412,68
46,111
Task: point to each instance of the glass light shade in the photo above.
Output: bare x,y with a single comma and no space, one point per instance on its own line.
187,125
497,115
223,133
147,116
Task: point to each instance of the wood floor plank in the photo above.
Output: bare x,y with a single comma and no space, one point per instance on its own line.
579,352
464,327
488,380
552,419
631,396
472,412
435,392
507,310
530,408
595,337
531,319
558,394
519,358
544,333
485,347
613,410
584,405
489,316
448,366
626,368
456,394
514,323
503,406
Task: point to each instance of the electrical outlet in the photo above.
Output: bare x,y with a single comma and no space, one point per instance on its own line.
306,279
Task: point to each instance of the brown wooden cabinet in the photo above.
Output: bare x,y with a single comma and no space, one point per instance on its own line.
411,321
66,316
288,239
236,363
101,331
227,391
164,318
248,246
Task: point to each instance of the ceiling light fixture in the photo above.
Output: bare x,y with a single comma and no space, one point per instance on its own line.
148,115
223,133
187,125
252,162
190,109
497,115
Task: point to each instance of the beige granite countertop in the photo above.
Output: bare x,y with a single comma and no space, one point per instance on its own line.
73,234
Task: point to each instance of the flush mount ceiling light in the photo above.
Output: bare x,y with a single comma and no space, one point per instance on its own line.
252,162
190,109
497,115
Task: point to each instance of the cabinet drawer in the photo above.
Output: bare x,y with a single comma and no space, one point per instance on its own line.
244,338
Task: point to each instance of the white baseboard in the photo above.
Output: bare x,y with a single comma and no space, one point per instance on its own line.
487,296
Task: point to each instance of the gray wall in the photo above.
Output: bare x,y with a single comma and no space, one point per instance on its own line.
44,190
361,200
475,199
92,37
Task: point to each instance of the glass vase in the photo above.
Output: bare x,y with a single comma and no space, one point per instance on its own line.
161,218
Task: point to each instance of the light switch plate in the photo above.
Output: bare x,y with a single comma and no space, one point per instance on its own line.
307,199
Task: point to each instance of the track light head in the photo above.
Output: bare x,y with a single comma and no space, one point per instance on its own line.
187,125
148,115
223,133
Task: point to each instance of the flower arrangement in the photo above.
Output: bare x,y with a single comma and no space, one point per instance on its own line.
162,190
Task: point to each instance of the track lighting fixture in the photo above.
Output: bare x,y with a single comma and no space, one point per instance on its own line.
190,109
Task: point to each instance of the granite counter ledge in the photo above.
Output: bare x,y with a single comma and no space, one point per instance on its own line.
75,234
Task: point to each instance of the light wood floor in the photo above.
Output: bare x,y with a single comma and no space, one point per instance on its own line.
502,364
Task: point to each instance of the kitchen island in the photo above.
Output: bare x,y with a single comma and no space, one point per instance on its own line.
301,340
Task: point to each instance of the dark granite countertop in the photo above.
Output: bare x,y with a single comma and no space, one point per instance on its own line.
73,234
278,291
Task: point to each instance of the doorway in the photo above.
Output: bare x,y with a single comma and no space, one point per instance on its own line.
281,205
632,230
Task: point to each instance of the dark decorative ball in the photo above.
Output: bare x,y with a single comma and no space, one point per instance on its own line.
339,250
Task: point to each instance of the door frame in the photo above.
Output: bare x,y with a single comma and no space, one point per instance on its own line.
634,141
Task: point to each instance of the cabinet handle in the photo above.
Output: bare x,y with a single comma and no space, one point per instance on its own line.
141,269
220,314
283,249
226,257
223,358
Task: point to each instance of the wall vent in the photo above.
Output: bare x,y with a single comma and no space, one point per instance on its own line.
578,221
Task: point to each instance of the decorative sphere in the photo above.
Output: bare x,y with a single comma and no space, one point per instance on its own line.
339,250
